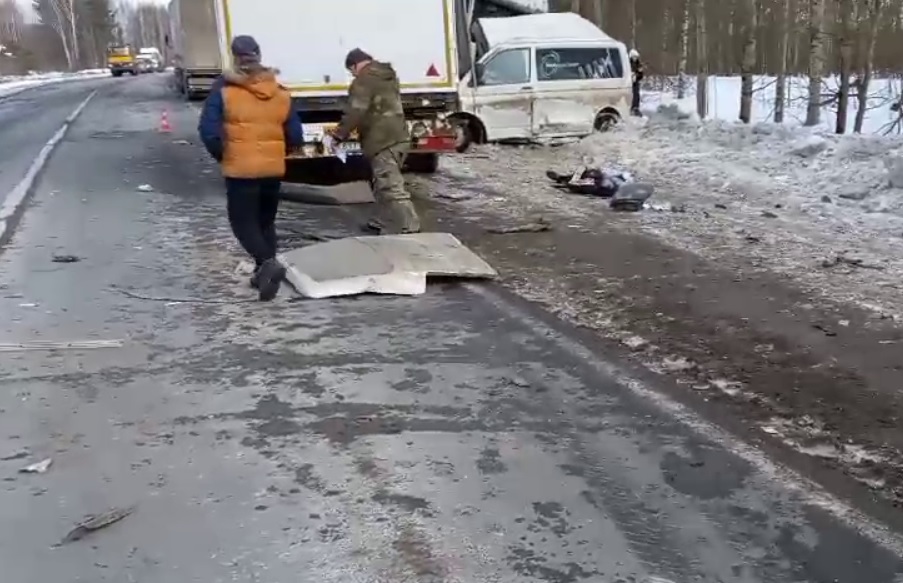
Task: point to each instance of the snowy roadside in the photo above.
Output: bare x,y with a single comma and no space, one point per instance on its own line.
755,197
14,84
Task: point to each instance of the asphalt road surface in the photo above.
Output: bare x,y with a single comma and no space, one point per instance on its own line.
461,436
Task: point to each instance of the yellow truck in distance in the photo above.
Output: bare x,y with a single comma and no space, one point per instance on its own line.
121,60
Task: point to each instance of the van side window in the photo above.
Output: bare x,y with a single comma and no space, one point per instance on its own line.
507,68
572,64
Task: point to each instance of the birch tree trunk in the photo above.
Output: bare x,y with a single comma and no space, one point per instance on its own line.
702,62
875,9
817,60
683,50
846,65
632,15
60,26
73,35
599,13
780,89
748,62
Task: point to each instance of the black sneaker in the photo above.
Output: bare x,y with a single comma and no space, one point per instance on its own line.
269,279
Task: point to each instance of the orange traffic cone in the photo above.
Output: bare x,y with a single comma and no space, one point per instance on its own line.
165,128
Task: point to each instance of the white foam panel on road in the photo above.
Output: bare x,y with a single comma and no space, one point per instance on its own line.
388,264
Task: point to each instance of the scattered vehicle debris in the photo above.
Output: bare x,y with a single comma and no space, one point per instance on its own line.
842,260
631,197
592,181
38,468
66,259
145,188
16,455
96,522
540,225
75,345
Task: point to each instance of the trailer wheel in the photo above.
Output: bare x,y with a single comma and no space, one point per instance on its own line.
133,72
117,73
422,163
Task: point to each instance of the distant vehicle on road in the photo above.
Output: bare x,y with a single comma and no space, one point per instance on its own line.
153,55
145,64
194,44
121,60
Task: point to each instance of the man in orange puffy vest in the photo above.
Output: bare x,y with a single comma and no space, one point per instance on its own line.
247,124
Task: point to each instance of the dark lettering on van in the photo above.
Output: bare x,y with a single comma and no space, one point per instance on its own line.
573,64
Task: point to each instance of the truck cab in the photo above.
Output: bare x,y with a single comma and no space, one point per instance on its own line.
122,60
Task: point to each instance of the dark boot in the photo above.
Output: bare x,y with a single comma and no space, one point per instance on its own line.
269,279
255,278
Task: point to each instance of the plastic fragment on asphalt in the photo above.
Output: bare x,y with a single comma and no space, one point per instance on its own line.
75,345
38,468
387,264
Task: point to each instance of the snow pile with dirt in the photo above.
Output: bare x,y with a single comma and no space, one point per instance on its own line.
764,196
14,84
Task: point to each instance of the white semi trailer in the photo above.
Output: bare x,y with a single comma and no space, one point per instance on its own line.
194,42
307,41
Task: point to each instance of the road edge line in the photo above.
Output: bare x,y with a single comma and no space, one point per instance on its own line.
808,491
16,198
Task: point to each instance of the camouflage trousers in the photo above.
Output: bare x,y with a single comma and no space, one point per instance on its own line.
395,211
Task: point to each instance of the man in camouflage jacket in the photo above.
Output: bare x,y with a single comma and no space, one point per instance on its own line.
375,112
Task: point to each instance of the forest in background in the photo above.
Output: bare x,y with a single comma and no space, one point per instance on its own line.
854,41
69,35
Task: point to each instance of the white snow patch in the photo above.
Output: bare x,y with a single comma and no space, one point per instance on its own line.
14,84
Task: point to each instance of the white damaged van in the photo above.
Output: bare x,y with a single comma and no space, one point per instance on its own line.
543,76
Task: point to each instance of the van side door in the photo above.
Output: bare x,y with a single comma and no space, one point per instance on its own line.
503,98
576,82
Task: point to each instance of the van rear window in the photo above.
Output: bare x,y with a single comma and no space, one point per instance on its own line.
571,64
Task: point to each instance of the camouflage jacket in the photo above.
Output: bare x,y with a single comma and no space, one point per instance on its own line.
374,110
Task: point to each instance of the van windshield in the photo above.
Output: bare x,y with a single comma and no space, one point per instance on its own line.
572,64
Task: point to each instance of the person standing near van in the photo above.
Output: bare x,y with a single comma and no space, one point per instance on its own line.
636,70
375,112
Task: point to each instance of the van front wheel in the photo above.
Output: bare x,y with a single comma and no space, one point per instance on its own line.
606,120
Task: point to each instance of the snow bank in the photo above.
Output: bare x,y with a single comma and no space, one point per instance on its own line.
14,84
724,102
775,197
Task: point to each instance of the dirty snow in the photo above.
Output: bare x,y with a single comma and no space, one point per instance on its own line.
11,85
765,197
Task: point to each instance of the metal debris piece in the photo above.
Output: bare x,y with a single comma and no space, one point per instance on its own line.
38,468
97,522
66,259
75,345
145,188
540,225
16,455
841,260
